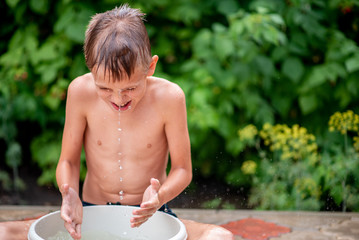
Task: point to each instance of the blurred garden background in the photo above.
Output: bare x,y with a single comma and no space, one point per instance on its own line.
272,91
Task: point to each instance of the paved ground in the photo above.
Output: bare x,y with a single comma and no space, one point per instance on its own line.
302,225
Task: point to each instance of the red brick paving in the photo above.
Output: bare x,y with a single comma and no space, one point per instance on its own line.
255,229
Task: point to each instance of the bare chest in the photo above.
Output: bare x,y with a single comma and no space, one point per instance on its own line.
133,136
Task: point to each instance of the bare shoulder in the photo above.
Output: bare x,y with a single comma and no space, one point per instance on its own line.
168,98
81,95
82,85
166,91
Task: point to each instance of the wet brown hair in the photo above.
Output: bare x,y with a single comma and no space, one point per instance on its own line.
117,41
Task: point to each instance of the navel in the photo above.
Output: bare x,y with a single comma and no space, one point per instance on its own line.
149,145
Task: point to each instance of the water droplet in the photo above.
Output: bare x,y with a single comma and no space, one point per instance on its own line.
121,192
119,140
121,179
119,129
119,154
120,167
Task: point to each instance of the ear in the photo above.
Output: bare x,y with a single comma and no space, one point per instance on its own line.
152,68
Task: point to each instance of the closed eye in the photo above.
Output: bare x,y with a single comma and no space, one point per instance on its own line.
104,89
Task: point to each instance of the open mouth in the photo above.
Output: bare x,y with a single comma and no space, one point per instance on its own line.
122,107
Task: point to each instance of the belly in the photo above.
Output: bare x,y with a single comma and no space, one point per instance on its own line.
123,182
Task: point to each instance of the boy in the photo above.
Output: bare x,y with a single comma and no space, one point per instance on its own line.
128,122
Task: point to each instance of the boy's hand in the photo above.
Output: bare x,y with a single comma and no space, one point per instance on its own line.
71,211
150,204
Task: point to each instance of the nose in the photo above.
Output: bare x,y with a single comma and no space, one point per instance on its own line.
119,98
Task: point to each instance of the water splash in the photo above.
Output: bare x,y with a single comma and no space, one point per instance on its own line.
121,193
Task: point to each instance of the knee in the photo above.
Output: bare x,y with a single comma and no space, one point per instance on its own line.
228,235
222,233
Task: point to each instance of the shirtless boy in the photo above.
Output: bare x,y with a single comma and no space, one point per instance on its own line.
128,123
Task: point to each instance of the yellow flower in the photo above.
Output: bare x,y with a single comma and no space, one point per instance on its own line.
247,133
249,167
356,143
292,143
344,122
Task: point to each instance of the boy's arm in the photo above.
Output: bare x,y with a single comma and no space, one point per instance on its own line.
68,168
180,174
178,140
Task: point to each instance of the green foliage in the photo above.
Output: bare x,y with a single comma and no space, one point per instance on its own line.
45,151
285,177
239,63
340,161
292,174
218,203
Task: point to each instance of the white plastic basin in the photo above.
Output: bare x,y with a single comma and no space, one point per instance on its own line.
114,220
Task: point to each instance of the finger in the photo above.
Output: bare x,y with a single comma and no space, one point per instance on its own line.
69,227
144,211
138,222
155,183
75,231
66,217
78,230
137,219
149,204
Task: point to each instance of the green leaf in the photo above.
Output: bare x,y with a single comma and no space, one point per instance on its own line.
73,22
281,103
76,32
45,53
25,106
264,65
12,58
13,155
279,53
12,3
65,19
223,46
39,6
202,43
78,66
228,6
293,69
352,64
341,94
308,103
277,19
335,70
31,44
315,78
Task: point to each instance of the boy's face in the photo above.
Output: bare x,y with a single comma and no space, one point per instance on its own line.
121,95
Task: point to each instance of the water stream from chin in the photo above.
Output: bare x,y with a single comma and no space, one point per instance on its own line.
119,154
